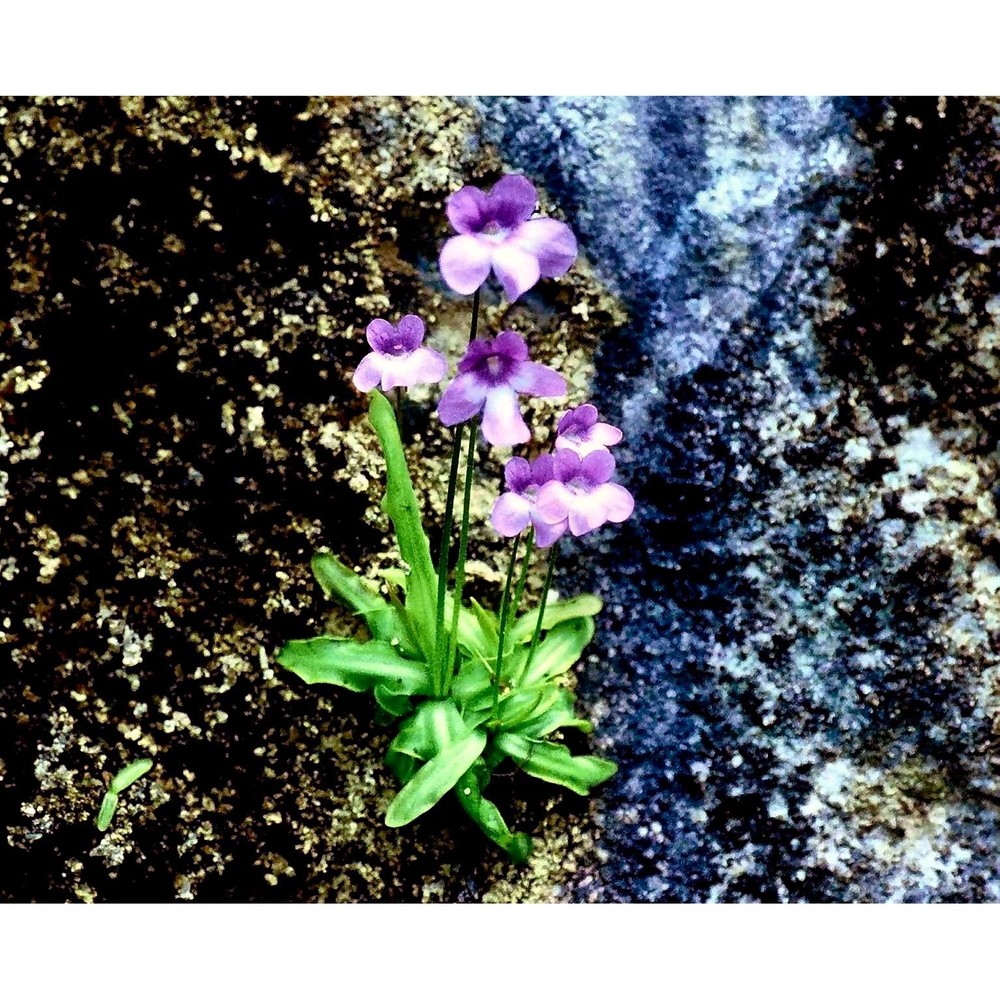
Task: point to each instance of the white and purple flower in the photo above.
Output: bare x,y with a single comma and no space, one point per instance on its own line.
397,359
493,373
579,495
580,431
515,509
496,231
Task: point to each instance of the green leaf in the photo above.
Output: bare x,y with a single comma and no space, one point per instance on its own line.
584,606
559,715
434,780
553,762
400,503
396,577
473,632
396,705
559,650
524,704
402,765
357,666
486,815
340,581
472,682
488,625
130,774
434,726
107,812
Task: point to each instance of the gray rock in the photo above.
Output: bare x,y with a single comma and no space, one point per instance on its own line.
797,674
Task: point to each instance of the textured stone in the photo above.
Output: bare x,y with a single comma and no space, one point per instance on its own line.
795,314
800,680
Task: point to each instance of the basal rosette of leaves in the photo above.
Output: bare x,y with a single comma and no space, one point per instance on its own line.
470,688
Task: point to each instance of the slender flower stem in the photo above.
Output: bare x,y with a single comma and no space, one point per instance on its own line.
475,317
523,578
440,640
463,546
541,608
504,616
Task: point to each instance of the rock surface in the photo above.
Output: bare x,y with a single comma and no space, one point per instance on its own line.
801,684
790,306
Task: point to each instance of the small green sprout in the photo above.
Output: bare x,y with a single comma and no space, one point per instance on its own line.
128,775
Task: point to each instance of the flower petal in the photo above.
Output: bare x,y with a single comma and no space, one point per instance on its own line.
597,467
553,503
381,335
410,332
566,464
550,242
586,514
517,475
462,400
578,420
465,263
511,345
368,373
503,424
427,366
581,447
605,434
511,514
617,502
547,534
467,209
516,268
542,469
537,380
512,200
419,366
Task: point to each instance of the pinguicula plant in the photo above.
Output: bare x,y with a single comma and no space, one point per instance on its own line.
470,688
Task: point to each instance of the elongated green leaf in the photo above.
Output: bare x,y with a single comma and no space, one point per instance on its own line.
472,682
486,815
559,650
434,726
553,762
396,577
357,666
340,581
400,503
107,812
524,704
584,606
488,625
130,774
559,715
402,765
396,705
434,780
471,635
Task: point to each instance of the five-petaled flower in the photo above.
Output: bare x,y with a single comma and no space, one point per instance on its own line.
490,377
581,431
496,231
515,509
579,495
397,359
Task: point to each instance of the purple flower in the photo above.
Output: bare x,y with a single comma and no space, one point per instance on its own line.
496,231
579,494
581,431
397,357
515,509
490,377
